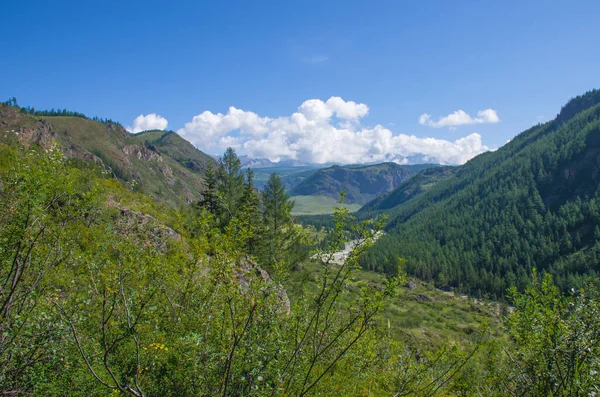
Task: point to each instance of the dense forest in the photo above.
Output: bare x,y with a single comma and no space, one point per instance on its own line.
105,289
534,203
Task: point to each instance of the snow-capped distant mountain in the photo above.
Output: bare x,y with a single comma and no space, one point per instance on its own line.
249,162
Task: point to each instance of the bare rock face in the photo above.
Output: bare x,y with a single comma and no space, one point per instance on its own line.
423,298
119,128
168,173
76,151
411,284
146,229
32,131
40,134
248,269
142,153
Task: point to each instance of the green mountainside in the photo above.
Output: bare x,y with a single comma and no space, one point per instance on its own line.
362,183
419,183
174,146
160,164
535,202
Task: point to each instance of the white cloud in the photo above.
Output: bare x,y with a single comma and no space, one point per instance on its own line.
347,110
460,117
321,132
151,121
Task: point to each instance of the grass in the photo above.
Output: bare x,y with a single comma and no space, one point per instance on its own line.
317,205
424,314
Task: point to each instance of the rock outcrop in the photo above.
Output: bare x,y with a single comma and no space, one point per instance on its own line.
247,270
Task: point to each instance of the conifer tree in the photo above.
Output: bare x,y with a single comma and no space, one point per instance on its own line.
231,189
251,211
279,230
210,199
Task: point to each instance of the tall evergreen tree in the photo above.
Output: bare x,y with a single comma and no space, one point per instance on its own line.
231,189
279,230
251,211
210,198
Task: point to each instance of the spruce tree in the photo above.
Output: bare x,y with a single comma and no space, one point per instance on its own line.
210,199
231,188
279,230
251,211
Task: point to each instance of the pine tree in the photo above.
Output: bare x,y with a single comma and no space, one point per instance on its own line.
210,199
279,229
251,211
231,188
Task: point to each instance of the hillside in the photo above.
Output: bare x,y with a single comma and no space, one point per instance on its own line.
160,164
362,183
410,188
291,176
172,145
533,203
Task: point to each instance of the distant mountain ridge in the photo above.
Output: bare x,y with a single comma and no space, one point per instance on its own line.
362,183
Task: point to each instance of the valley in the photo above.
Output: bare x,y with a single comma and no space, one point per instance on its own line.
300,199
454,259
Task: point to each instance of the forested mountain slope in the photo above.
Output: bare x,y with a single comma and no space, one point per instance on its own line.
533,203
362,183
160,164
408,189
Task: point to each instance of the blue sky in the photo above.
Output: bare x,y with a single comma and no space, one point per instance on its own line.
122,59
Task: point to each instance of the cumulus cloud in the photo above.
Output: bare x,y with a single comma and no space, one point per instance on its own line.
150,121
321,132
460,117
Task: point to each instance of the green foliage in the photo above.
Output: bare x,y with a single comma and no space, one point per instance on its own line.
555,340
552,349
261,223
532,203
231,187
140,309
408,189
45,203
279,229
210,196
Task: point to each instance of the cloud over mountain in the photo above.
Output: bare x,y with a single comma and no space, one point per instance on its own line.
460,117
150,121
322,132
